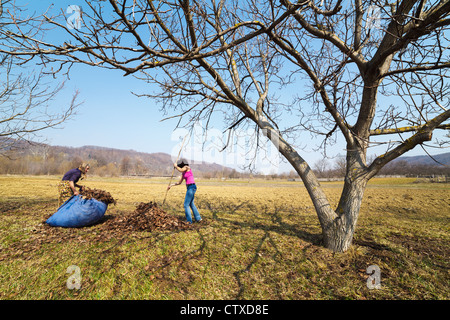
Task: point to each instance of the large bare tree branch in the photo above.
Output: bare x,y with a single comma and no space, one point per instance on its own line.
423,134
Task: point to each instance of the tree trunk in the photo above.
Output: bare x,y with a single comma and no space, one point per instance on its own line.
338,226
338,234
320,201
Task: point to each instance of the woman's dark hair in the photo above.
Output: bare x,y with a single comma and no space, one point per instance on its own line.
182,164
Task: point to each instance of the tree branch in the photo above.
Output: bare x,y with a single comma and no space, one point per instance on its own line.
354,55
415,69
425,133
378,132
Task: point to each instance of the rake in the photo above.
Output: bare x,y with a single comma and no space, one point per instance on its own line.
173,170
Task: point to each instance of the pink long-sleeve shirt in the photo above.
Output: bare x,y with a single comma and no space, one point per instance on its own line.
189,177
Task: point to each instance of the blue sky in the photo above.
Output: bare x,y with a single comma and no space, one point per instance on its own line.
111,116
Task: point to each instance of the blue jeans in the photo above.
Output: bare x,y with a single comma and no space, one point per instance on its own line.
189,204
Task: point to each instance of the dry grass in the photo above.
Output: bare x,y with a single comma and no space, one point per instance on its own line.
262,241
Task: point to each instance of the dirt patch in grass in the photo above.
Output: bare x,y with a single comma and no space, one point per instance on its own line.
7,207
429,250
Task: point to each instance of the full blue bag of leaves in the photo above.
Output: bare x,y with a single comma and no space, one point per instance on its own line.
78,212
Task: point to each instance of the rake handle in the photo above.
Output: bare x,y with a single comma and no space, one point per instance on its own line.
173,170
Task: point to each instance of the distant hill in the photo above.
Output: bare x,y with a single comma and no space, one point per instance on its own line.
156,163
419,165
40,158
443,158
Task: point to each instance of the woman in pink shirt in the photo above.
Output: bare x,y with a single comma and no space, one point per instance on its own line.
190,192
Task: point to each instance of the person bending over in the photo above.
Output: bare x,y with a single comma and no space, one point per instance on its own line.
67,186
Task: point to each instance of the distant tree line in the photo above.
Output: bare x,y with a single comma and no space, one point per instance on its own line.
52,164
402,167
326,169
42,159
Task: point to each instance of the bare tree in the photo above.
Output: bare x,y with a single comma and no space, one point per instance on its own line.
340,165
25,97
321,166
349,58
125,166
24,105
231,57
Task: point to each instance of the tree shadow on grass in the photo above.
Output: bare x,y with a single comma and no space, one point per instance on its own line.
275,224
160,269
238,274
24,205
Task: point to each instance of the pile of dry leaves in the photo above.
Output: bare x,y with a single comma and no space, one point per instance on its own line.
100,195
148,217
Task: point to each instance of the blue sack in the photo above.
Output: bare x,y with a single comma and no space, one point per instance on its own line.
78,212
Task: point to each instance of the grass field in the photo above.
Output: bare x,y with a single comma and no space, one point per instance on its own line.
261,240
